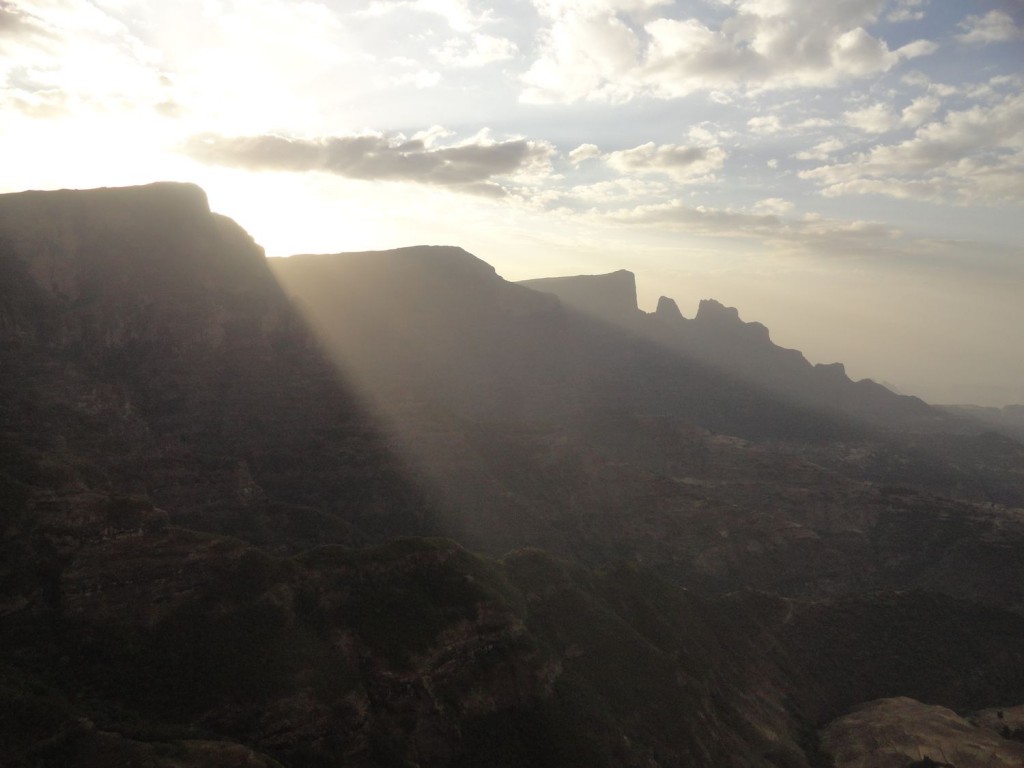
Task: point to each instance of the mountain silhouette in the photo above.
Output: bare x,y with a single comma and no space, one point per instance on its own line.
717,337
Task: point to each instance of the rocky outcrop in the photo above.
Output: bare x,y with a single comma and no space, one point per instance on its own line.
610,297
668,311
897,732
727,320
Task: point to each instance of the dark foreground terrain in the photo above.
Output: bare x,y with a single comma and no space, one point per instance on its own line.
388,509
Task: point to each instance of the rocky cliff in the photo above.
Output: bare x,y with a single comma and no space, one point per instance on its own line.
610,297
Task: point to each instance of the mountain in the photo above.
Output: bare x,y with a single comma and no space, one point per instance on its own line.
448,328
717,337
389,509
1008,420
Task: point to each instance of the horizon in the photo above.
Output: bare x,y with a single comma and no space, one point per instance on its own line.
850,176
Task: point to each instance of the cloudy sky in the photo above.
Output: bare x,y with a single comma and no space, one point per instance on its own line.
848,172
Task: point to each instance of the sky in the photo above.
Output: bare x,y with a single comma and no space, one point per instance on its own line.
849,173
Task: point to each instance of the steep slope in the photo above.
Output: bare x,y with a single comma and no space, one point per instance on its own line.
419,653
897,732
1009,420
149,352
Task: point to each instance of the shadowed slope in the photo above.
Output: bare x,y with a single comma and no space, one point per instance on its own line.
149,351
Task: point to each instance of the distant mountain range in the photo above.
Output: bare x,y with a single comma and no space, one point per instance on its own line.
389,509
717,337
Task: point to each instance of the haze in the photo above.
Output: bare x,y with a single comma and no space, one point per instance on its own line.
848,174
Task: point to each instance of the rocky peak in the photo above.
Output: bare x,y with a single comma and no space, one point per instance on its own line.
710,310
610,296
835,371
79,244
667,309
715,315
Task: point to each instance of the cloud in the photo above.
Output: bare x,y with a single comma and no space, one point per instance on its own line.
421,79
42,104
972,156
764,125
584,152
238,64
907,10
615,50
680,162
878,118
468,167
821,151
60,56
700,220
585,55
993,27
707,134
458,14
919,110
810,234
882,118
920,80
476,50
772,206
18,25
613,191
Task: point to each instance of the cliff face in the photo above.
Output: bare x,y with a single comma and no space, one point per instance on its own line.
610,297
154,355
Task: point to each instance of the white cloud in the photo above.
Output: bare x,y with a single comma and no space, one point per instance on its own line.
422,78
882,118
905,14
810,234
813,122
432,136
584,152
993,27
587,57
972,156
932,190
878,118
458,14
906,10
707,134
61,54
472,166
683,164
616,191
920,80
919,110
475,50
614,50
772,206
764,125
820,151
